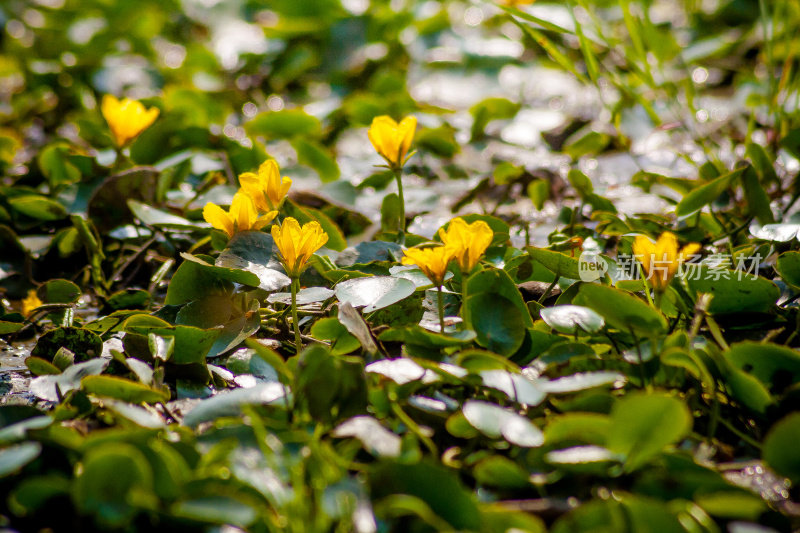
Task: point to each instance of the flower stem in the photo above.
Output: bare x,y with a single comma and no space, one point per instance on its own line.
298,342
440,304
401,228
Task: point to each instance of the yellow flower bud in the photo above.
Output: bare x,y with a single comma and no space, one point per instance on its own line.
392,140
126,118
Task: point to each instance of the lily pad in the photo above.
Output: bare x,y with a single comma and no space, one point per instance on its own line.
571,318
375,292
495,422
231,403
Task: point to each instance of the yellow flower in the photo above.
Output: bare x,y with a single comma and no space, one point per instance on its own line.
126,118
297,244
432,261
267,188
662,258
468,241
242,215
392,140
30,303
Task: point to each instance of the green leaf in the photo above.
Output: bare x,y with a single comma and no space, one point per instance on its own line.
253,252
591,428
495,422
38,207
643,424
558,263
390,213
374,292
48,387
437,486
590,144
194,280
621,309
570,318
762,162
156,217
284,124
773,365
580,182
538,192
375,438
122,389
739,293
440,141
41,367
499,324
498,471
59,291
331,387
706,193
14,458
317,157
83,343
732,504
229,404
788,266
780,447
490,109
756,196
330,329
192,345
55,165
222,510
95,491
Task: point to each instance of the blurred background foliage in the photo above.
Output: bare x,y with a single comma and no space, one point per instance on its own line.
591,117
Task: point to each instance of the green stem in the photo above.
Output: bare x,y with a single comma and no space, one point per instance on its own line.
547,291
298,342
401,228
414,428
641,360
464,294
440,304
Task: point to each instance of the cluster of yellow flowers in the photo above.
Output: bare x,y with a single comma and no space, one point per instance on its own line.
262,192
465,243
254,205
265,192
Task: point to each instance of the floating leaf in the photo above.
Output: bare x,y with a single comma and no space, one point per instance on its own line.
569,318
378,440
644,424
780,447
45,387
231,403
375,292
15,457
621,309
495,421
122,389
